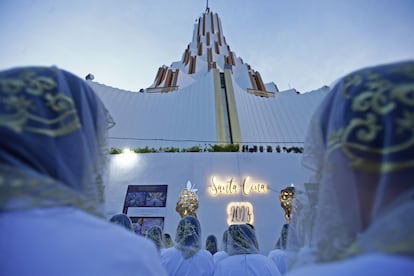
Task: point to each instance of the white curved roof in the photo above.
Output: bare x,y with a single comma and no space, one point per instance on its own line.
186,117
179,109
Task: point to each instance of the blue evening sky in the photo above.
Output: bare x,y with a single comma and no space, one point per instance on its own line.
302,44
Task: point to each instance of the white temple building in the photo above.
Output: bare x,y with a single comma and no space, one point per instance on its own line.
208,97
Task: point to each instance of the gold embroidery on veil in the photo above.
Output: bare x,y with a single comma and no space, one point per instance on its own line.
23,115
38,191
361,139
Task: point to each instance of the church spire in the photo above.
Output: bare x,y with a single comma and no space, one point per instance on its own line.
208,50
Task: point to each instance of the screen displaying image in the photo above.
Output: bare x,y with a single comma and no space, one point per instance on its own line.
145,196
142,224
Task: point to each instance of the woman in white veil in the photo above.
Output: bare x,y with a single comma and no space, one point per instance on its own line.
360,148
244,257
187,257
52,161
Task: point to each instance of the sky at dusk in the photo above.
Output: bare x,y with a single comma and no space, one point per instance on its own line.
298,44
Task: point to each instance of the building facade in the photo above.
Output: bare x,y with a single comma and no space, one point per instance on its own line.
209,97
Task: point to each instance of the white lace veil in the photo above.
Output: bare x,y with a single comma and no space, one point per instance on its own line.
188,236
360,147
155,235
211,244
53,137
241,239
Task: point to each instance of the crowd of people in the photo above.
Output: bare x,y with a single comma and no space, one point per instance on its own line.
360,148
186,256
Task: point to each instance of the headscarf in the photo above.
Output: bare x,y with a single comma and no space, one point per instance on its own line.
241,240
53,137
154,233
282,240
211,244
123,220
188,236
224,240
167,240
360,148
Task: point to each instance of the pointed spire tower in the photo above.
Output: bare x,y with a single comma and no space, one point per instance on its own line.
209,50
209,64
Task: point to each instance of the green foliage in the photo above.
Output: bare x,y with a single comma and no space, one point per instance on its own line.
224,148
293,149
145,150
171,149
212,148
192,149
115,151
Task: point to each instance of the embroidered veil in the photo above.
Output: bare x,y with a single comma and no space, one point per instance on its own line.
53,137
360,147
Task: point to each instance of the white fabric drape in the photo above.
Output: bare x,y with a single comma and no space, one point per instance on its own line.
360,147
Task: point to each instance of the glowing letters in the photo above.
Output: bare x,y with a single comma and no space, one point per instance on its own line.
231,187
240,212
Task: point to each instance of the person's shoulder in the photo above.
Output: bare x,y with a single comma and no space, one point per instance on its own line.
376,264
219,256
277,253
230,259
67,229
205,254
221,253
99,232
382,264
171,254
258,258
169,251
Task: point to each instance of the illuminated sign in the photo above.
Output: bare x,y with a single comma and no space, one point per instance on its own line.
232,187
240,213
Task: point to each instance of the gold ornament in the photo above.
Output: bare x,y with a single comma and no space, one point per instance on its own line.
187,203
286,197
